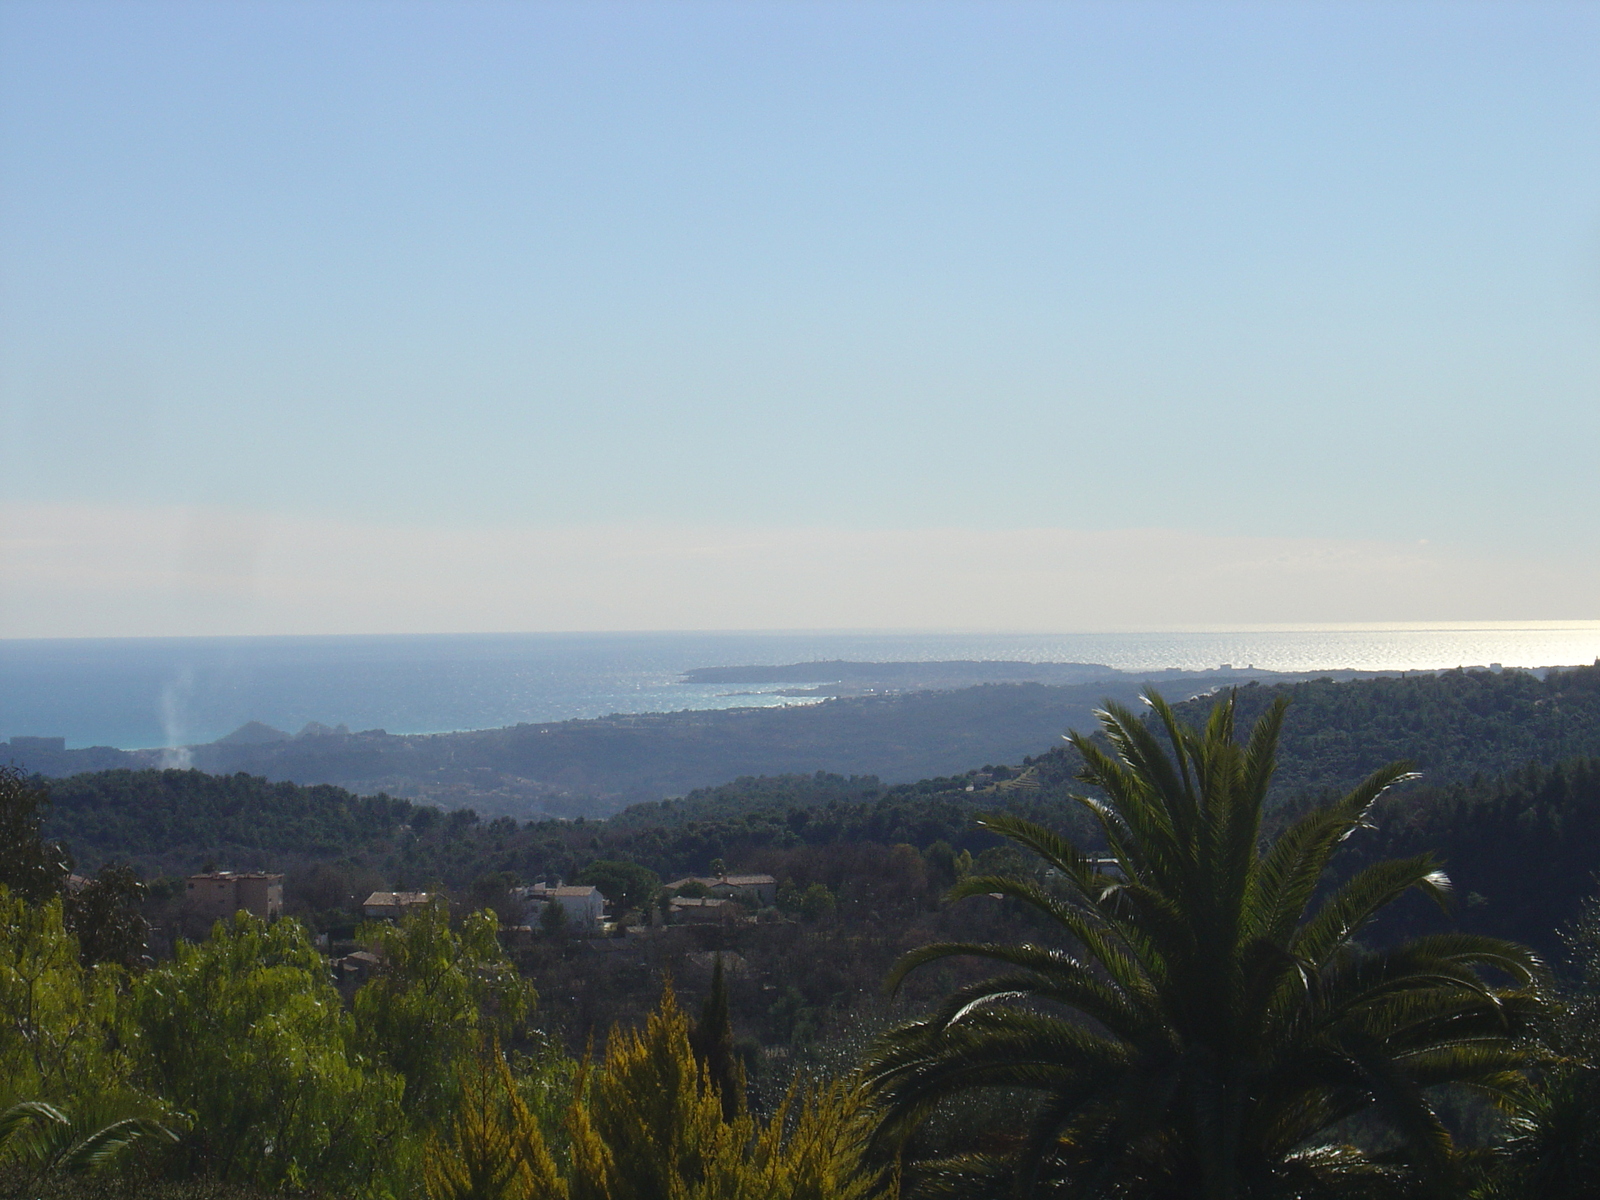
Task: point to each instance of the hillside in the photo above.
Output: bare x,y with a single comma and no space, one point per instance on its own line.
1451,726
596,767
902,722
178,820
1522,849
1455,725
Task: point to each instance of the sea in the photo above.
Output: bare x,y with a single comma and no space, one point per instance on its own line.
134,693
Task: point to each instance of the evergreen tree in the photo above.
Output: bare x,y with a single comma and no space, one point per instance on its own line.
712,1041
1554,1153
33,868
493,1149
648,1125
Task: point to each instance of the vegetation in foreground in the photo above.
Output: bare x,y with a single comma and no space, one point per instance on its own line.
1214,1022
1191,1012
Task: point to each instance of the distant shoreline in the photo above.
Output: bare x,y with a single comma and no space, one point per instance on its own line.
134,693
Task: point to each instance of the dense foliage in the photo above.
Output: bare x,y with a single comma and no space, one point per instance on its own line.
436,1076
246,1034
1451,726
244,1046
1202,1023
1523,849
152,816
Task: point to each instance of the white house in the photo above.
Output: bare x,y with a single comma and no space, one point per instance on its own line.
584,906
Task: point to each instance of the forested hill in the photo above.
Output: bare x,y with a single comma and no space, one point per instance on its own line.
177,820
595,767
1452,725
1522,849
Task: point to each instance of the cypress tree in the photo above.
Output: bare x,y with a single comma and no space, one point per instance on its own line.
712,1041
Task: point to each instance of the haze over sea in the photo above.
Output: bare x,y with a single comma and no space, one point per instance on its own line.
144,692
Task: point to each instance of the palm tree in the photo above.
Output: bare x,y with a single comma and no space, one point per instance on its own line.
1208,1019
44,1139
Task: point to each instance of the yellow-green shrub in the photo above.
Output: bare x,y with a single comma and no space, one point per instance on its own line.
648,1124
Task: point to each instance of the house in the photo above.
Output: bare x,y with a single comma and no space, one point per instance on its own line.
391,906
583,905
759,891
701,910
216,895
358,967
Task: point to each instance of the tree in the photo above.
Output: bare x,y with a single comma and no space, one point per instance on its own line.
553,920
1554,1153
246,1032
105,915
494,1149
625,885
1208,1017
816,902
102,913
33,868
59,1023
712,1042
440,992
648,1123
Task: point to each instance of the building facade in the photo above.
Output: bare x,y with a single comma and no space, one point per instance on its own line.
391,906
584,907
217,895
758,891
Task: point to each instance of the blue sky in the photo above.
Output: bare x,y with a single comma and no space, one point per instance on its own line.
807,283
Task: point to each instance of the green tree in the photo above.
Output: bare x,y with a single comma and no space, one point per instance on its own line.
246,1034
439,993
59,1020
105,915
625,885
33,868
712,1041
1207,1018
1554,1153
553,920
816,902
648,1124
493,1148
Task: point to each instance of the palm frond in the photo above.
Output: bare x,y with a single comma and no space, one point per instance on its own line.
1294,866
1360,898
1206,1022
1045,974
28,1112
1105,941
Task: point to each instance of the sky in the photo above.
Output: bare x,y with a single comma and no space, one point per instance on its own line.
355,317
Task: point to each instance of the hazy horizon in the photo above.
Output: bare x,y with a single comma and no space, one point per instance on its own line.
327,319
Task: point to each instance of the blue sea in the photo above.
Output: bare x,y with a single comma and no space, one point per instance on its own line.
145,692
